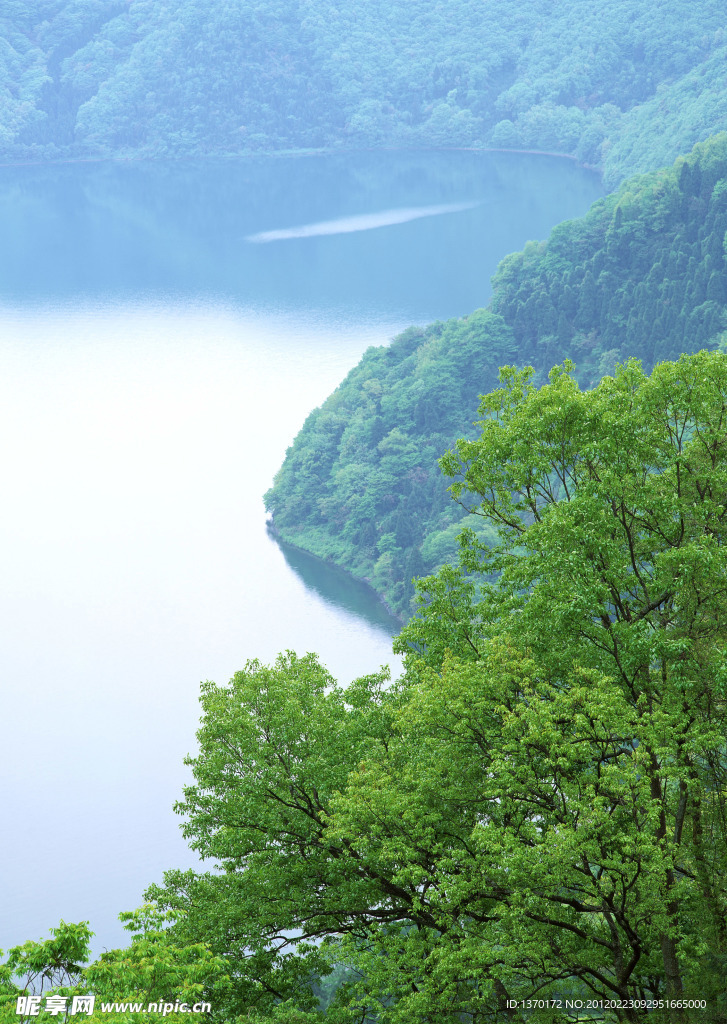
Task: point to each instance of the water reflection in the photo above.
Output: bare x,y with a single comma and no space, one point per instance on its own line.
178,229
334,585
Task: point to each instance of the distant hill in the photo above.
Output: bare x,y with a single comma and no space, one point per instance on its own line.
642,274
621,85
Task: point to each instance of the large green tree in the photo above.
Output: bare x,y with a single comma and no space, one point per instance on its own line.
610,506
537,810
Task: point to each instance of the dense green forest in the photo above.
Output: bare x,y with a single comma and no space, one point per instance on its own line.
535,814
643,274
622,85
530,825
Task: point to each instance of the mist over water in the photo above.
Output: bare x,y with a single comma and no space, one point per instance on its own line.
364,222
136,563
153,369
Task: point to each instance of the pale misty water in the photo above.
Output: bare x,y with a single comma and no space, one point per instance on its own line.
154,366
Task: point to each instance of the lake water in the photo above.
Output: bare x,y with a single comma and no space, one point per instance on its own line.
164,331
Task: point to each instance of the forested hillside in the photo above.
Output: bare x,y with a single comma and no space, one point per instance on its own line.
643,274
619,84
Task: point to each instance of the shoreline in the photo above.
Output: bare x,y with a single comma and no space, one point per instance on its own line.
283,153
282,542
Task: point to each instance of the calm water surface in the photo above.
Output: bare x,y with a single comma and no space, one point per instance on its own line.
164,331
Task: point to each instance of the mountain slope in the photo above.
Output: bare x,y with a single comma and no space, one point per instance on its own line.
615,84
643,274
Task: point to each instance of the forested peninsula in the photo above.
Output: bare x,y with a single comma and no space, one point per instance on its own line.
642,275
627,88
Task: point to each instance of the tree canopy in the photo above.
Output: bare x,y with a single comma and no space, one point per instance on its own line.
53,980
537,809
